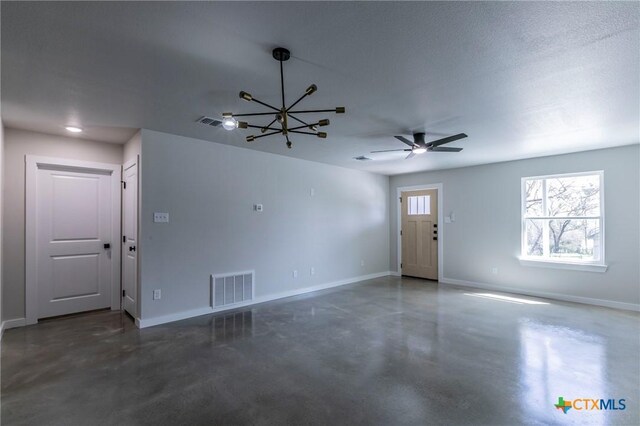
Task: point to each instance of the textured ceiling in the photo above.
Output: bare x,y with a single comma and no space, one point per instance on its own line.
521,79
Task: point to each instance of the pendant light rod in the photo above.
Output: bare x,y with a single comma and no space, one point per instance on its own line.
284,107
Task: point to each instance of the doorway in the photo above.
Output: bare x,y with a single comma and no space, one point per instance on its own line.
419,233
72,232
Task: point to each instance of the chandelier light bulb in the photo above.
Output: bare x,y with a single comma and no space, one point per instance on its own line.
229,123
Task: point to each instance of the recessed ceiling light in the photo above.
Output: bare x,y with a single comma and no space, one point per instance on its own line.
73,129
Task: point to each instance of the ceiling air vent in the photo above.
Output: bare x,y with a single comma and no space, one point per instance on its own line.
209,121
362,158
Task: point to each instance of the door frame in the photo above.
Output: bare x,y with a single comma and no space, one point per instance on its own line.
32,163
399,191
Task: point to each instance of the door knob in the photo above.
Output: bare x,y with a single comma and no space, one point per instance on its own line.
132,248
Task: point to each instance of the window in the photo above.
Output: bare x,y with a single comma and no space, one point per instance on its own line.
420,204
562,218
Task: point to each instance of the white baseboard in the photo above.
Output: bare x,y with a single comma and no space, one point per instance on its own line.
545,295
12,323
149,322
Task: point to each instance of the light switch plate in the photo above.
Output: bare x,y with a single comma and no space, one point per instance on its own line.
157,294
161,217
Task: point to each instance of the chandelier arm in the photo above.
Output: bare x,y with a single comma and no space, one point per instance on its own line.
303,133
265,104
313,110
269,125
268,134
263,127
298,120
305,126
251,114
296,102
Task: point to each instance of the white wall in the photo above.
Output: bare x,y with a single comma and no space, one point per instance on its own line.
209,190
19,143
1,209
486,233
133,147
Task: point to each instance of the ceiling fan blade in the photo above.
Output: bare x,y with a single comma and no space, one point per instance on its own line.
411,155
447,139
444,149
405,140
390,150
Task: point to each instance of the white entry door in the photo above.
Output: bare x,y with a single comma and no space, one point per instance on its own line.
130,237
73,232
420,234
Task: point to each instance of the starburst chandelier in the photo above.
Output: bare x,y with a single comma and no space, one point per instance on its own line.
282,117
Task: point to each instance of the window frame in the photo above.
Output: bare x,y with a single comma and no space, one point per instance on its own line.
593,265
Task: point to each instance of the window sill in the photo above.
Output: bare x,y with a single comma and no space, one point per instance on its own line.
589,267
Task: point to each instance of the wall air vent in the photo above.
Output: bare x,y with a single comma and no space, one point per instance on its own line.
228,289
209,121
362,158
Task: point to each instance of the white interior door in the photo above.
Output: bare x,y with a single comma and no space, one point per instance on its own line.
73,213
420,234
130,238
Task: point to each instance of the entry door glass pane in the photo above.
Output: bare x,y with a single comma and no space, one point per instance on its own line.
419,204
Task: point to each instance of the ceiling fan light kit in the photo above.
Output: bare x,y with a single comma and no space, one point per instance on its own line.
280,125
419,146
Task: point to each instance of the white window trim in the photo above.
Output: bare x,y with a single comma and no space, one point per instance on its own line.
545,262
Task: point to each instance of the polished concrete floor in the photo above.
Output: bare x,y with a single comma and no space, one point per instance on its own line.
388,351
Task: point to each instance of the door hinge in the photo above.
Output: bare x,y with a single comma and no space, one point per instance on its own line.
401,232
122,293
124,185
401,265
124,239
400,199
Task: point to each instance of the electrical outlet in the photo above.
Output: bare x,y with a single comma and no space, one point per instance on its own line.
157,294
295,273
494,270
161,217
362,263
312,271
258,207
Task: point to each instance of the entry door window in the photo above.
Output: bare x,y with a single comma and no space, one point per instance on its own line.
419,204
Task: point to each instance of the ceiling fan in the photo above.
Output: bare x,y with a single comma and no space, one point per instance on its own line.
419,146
